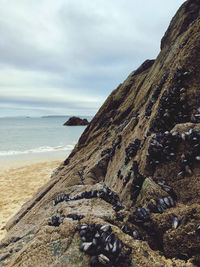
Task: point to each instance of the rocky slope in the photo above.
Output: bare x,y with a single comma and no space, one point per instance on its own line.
135,169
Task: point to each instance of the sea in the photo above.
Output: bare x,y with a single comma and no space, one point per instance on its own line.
28,137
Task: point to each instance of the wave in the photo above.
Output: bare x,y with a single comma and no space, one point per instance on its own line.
41,149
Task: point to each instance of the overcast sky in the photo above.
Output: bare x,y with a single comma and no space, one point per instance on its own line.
66,56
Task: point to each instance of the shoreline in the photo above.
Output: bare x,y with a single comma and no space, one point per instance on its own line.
20,179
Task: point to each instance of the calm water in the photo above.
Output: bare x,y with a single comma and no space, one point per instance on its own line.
31,136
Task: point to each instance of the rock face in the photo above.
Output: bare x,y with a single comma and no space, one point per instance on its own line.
129,191
75,121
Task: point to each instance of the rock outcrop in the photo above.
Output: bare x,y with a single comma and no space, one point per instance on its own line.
76,121
129,191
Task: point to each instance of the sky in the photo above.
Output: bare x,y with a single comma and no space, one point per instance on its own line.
66,56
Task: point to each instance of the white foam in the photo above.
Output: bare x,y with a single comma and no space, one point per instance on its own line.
41,149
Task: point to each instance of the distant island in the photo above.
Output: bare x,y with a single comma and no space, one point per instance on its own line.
76,121
53,116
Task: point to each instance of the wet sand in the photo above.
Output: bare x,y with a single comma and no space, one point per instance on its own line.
19,180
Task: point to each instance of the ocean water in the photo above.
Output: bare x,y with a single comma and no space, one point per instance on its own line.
37,137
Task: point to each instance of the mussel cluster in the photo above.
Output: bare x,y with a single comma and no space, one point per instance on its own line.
103,246
163,147
142,214
115,144
180,75
111,197
131,150
75,216
162,204
61,198
192,137
106,194
137,181
132,232
173,107
162,183
57,220
156,94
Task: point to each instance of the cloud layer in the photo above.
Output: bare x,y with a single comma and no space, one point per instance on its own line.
65,57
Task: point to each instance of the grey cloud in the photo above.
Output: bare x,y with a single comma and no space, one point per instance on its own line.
85,47
37,107
47,103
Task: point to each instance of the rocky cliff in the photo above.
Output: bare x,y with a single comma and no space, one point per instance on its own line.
129,193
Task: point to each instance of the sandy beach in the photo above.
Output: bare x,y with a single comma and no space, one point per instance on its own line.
19,180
